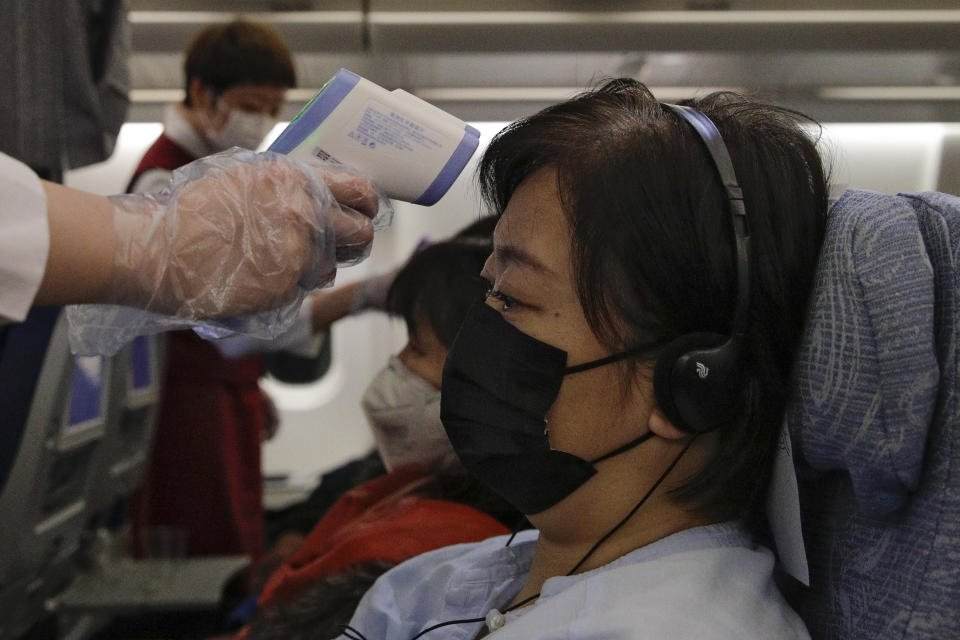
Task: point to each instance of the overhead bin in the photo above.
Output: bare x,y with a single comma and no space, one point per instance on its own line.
839,60
609,26
691,30
339,31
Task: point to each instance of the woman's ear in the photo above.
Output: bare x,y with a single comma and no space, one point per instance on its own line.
662,427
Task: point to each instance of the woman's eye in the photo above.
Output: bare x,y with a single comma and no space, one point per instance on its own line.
508,302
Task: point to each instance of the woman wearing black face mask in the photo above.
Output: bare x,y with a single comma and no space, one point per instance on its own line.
615,239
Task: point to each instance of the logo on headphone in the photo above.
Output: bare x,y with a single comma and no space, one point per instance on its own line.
702,370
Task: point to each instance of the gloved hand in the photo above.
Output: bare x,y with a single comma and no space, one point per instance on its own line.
235,233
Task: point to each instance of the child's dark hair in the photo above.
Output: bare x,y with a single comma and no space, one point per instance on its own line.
481,229
223,56
439,284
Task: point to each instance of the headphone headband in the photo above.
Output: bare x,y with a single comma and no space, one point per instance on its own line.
717,148
697,377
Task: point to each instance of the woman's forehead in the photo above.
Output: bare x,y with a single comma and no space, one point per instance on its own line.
533,230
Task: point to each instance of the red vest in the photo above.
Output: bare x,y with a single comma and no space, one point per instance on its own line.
204,474
162,154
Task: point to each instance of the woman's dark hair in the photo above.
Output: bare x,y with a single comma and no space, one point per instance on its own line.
653,249
223,56
439,284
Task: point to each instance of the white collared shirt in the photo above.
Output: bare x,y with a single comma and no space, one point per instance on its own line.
705,582
178,129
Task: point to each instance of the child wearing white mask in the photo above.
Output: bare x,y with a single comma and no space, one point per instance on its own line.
402,403
426,498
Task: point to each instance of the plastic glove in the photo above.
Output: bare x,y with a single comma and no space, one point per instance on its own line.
235,233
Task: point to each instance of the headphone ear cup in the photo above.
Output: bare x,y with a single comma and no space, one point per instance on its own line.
692,380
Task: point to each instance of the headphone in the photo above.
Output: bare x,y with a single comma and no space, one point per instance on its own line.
697,377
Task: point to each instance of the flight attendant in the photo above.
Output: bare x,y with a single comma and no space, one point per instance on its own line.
205,481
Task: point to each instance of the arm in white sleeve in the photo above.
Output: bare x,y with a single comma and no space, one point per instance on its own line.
24,238
317,314
236,233
231,245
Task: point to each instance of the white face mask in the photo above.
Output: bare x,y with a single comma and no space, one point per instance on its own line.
404,413
242,129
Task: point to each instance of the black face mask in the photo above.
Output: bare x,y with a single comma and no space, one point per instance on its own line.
498,384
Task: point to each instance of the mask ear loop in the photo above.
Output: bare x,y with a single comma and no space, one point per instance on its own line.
624,448
355,634
621,449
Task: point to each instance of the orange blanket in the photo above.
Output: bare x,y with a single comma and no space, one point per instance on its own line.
383,519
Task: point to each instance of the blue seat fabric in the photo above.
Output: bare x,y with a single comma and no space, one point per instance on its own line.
874,422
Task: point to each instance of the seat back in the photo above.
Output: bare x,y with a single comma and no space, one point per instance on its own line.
22,350
134,399
874,422
61,421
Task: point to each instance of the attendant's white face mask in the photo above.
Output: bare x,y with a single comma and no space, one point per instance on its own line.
242,129
404,412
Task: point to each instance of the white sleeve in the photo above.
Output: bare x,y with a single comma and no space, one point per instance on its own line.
24,238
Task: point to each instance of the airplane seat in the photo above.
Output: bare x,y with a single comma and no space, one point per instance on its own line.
115,594
875,422
53,409
134,398
22,348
